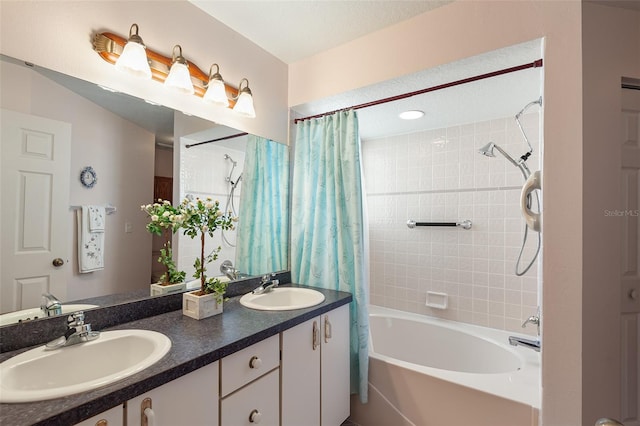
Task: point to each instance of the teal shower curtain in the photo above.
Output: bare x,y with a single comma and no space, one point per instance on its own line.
264,219
328,236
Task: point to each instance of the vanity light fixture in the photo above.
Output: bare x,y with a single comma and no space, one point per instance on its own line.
133,59
244,100
216,92
411,114
179,77
111,47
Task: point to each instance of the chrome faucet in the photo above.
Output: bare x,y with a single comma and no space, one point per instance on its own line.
50,305
528,343
227,268
77,332
267,284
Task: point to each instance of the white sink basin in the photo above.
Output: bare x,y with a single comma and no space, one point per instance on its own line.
41,374
33,313
283,299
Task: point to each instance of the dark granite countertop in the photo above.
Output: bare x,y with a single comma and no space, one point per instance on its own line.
194,345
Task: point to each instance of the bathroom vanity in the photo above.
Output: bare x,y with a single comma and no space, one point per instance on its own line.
225,370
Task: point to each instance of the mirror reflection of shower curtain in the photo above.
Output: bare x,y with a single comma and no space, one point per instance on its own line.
263,224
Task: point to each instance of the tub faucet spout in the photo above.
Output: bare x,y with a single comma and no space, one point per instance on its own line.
527,343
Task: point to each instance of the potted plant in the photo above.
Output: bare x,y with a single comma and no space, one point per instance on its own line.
200,218
165,218
172,281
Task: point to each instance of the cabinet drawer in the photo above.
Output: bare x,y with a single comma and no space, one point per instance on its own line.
248,364
256,403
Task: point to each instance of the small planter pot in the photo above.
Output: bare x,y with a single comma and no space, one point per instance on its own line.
158,289
200,307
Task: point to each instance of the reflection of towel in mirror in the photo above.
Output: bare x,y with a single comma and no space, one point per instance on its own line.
90,244
96,218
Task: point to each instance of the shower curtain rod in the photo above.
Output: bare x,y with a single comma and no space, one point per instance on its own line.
534,64
237,135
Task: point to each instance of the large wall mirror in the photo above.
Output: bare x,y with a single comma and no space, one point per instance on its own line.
135,150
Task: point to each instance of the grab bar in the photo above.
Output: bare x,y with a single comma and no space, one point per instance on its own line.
465,224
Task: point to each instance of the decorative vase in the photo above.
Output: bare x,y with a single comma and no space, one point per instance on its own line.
200,307
157,289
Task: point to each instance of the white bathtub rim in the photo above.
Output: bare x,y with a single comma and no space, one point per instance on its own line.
522,386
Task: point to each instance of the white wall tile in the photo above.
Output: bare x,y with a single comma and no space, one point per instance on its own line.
437,175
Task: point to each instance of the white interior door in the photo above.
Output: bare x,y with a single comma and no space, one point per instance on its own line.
630,271
34,205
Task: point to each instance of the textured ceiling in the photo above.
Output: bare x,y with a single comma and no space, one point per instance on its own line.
294,30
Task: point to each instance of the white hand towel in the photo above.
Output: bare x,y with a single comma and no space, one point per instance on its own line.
96,218
90,244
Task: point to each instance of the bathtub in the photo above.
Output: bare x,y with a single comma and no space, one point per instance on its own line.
428,371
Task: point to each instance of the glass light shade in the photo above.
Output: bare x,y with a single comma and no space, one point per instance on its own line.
133,60
179,78
244,105
216,93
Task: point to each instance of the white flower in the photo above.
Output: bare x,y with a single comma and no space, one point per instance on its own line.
218,213
209,205
154,217
166,214
209,198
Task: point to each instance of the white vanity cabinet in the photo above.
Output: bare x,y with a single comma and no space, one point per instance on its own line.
315,371
189,400
250,385
112,417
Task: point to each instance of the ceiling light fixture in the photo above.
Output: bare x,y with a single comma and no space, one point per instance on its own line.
179,77
216,92
411,115
133,59
244,102
111,47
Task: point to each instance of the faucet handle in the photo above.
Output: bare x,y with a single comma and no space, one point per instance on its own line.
531,320
75,319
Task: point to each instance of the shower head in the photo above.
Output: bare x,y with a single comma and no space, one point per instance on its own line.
487,150
228,157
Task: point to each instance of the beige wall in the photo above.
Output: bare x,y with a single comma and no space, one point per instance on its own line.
580,247
57,35
122,155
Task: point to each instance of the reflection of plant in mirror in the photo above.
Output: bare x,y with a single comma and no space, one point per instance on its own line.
163,216
173,275
201,218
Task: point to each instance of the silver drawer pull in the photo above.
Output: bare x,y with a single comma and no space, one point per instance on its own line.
255,362
327,329
316,335
255,417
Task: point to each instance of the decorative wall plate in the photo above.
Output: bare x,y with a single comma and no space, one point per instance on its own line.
88,177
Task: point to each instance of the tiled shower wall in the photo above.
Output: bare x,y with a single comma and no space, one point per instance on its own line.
438,176
203,173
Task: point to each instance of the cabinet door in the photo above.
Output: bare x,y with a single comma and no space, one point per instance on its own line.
335,387
301,375
256,403
189,400
112,417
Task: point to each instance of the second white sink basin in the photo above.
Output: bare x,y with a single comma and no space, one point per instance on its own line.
283,299
35,313
41,374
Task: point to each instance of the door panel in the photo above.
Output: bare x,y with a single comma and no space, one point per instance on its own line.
35,162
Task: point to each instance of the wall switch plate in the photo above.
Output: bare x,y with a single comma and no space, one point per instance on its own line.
128,227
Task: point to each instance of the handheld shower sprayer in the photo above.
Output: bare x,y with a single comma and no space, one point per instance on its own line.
529,189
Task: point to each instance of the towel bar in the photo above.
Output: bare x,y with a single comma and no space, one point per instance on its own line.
464,224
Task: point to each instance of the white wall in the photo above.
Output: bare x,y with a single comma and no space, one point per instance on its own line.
122,155
438,175
59,37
